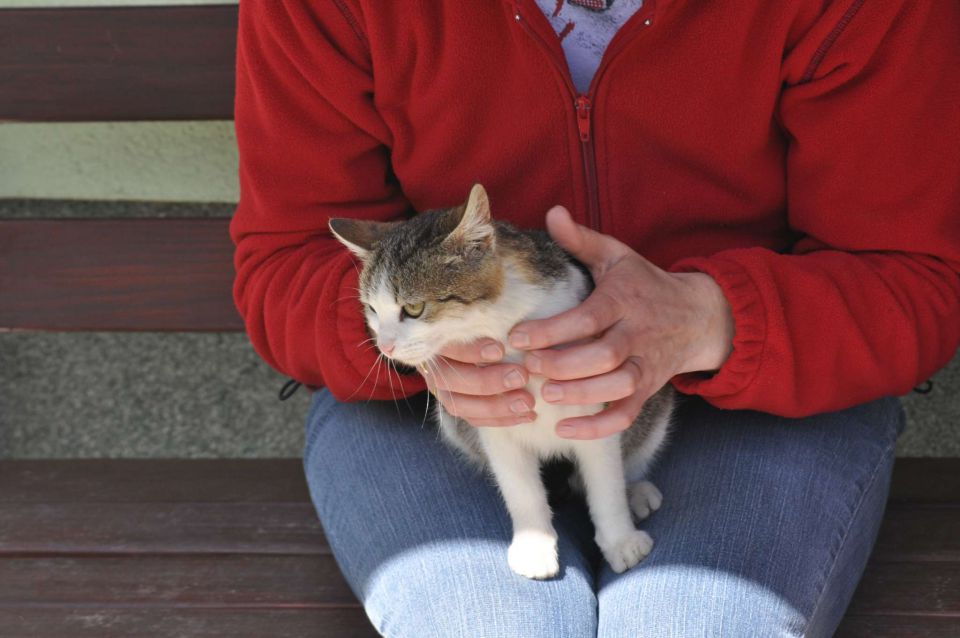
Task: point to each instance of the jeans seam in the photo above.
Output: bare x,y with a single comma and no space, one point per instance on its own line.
846,534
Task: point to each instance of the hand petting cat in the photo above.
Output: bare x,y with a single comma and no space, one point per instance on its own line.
642,326
639,327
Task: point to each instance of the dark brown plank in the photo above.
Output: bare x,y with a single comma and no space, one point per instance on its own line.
119,63
899,627
152,480
134,274
173,581
907,534
919,534
934,481
160,528
908,588
100,622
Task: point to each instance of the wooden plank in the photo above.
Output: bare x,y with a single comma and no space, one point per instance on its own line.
174,581
907,534
918,534
103,622
118,63
152,481
160,528
132,274
933,481
899,627
908,588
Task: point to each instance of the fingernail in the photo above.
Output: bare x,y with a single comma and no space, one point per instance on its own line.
532,363
513,379
491,352
519,340
552,392
519,407
566,430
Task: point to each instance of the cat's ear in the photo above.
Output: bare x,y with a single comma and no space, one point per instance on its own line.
359,235
475,229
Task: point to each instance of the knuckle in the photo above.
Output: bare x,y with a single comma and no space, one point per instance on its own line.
634,379
590,321
621,422
608,355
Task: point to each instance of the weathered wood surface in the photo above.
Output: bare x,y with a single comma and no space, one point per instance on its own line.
132,274
117,63
210,548
153,481
109,622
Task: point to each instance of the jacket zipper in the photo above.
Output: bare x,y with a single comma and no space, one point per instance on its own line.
583,106
583,102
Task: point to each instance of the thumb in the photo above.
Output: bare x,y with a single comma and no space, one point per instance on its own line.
588,246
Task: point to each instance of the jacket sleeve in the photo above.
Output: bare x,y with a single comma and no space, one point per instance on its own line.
312,147
867,302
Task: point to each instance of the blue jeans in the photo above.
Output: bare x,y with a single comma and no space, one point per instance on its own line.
765,528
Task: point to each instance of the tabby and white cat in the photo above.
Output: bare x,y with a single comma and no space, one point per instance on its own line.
455,275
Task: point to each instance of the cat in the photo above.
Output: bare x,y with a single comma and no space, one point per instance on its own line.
457,275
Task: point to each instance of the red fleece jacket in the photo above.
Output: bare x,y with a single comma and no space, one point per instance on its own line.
804,153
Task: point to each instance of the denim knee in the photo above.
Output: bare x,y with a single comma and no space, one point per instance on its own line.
459,591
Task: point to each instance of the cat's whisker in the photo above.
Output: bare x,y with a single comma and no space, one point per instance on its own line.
450,365
390,383
376,380
364,379
443,378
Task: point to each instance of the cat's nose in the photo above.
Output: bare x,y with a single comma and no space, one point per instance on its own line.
387,348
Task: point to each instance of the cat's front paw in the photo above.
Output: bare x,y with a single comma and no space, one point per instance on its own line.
645,499
628,550
534,554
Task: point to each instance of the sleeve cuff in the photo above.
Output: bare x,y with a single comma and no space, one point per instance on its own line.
750,330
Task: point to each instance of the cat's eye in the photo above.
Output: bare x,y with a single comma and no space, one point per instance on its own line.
413,310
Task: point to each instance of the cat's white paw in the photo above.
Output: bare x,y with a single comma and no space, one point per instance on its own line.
534,554
627,550
645,499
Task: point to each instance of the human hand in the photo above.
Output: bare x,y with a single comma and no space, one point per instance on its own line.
491,395
643,325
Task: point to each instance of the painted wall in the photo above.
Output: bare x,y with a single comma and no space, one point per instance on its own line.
162,161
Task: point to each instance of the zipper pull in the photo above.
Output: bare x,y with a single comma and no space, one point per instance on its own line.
583,117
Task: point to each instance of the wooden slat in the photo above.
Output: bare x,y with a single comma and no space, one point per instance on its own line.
908,588
174,581
118,63
917,480
899,627
919,534
101,622
152,481
907,535
161,528
134,274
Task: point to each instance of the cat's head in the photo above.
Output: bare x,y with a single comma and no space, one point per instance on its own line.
429,280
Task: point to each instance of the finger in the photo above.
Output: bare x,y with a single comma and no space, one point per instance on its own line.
469,406
599,356
467,378
617,418
598,312
588,246
479,351
603,388
504,422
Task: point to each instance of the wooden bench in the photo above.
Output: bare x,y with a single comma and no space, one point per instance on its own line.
232,547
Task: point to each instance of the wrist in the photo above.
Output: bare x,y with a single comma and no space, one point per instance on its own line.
712,342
